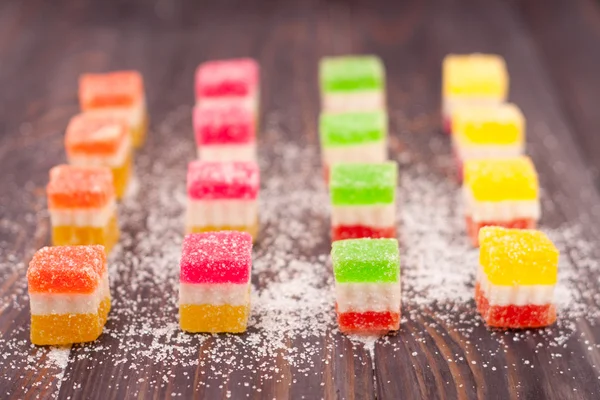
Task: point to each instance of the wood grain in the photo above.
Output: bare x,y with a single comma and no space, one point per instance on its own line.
440,353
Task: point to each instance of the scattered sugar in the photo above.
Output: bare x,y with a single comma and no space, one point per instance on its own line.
292,332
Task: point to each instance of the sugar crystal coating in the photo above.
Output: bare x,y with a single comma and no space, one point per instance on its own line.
349,73
363,184
517,256
500,179
113,89
235,77
222,180
216,257
79,187
499,124
351,128
224,124
366,260
98,134
66,269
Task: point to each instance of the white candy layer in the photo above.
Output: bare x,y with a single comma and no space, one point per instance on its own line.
372,152
216,294
94,217
135,114
499,295
449,103
361,297
474,152
221,213
251,101
374,216
366,100
72,303
227,152
115,160
485,211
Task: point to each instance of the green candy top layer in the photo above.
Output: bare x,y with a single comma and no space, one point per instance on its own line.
352,128
363,184
366,260
349,73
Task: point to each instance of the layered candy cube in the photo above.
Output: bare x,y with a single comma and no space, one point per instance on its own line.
82,206
367,285
472,79
363,198
516,278
214,290
101,140
352,83
500,192
69,294
225,132
225,81
222,196
487,131
353,137
118,94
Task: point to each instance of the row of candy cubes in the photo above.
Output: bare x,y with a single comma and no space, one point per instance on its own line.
221,218
353,129
501,191
68,282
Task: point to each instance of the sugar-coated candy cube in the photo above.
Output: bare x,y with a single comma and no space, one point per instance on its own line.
352,83
222,196
472,79
69,294
101,140
225,132
500,192
363,198
518,270
214,291
120,94
353,137
367,284
82,206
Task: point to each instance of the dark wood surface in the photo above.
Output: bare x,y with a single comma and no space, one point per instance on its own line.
552,49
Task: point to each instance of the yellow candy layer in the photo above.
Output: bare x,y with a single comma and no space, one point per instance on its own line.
213,319
138,133
477,75
60,329
501,124
251,229
107,236
517,256
501,179
121,176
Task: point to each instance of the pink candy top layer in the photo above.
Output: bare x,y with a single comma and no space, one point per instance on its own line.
224,124
232,78
216,257
211,180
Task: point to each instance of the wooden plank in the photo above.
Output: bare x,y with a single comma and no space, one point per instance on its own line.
442,351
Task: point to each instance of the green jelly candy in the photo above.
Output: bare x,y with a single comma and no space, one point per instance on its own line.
366,260
352,128
363,184
351,73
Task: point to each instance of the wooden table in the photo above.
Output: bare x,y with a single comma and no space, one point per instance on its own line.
292,349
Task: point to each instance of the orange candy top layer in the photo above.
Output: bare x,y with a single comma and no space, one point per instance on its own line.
95,134
66,269
113,89
79,187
